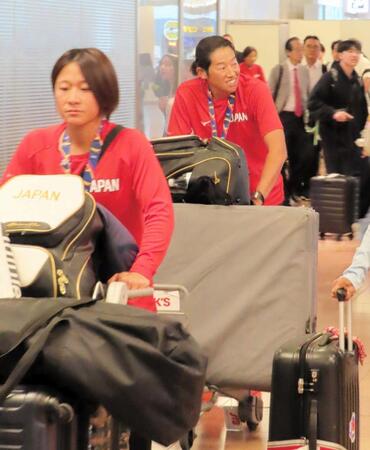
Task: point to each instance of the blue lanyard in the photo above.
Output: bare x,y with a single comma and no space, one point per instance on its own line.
228,115
94,155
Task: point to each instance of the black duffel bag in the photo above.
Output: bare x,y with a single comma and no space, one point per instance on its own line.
147,371
201,171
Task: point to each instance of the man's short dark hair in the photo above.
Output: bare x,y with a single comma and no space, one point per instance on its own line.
288,43
203,51
343,46
310,36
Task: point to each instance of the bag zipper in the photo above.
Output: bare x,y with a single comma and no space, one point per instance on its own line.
175,153
88,221
227,145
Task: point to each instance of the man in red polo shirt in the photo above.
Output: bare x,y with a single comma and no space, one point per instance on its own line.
222,102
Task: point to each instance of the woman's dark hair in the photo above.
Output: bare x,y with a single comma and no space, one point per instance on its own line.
204,49
247,51
343,46
99,74
175,63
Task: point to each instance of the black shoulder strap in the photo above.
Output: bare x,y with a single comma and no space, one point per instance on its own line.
324,68
277,87
109,138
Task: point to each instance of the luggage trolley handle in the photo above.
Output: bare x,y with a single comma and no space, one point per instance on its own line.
341,296
172,287
118,292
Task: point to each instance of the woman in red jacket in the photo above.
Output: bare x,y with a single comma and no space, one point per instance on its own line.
249,66
127,180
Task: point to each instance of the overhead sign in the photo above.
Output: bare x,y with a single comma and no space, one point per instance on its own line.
357,6
171,30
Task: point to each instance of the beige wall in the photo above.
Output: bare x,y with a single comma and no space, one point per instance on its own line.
267,37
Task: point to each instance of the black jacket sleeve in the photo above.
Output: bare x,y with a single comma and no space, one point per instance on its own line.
319,102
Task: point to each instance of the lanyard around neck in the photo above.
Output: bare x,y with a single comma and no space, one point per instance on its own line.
94,155
228,115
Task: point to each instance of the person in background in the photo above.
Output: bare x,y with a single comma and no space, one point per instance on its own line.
316,68
311,50
334,53
322,53
354,276
165,84
249,66
289,84
222,102
363,70
338,102
239,55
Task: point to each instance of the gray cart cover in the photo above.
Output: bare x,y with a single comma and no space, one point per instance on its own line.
251,274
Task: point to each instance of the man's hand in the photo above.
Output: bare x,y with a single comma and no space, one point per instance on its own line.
343,282
133,280
342,116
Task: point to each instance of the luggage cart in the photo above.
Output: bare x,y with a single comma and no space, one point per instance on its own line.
169,301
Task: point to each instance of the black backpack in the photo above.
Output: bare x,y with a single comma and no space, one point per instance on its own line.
201,171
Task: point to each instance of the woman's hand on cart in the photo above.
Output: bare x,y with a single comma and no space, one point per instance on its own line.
133,280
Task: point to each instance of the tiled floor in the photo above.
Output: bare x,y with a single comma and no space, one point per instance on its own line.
333,258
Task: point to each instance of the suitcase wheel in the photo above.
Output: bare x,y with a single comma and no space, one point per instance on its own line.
250,410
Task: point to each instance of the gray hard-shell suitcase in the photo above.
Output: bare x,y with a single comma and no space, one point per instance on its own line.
315,392
336,198
188,162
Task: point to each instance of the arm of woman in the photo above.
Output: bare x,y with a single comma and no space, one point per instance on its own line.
271,130
153,196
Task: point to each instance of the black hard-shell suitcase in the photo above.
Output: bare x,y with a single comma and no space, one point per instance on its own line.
37,419
336,198
201,171
315,393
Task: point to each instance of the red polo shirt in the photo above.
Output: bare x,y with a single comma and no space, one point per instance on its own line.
253,117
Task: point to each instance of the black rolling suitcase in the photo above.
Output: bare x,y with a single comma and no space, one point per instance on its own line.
315,393
201,171
336,198
33,418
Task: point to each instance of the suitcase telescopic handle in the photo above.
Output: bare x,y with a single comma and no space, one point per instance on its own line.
341,296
